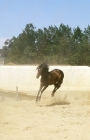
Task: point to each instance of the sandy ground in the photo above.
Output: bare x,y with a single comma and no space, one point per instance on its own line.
60,117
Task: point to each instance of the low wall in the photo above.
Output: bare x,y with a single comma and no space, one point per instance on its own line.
76,78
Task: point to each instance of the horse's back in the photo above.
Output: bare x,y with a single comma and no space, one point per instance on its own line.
57,72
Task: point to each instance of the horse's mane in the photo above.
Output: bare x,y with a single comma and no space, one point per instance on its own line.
43,65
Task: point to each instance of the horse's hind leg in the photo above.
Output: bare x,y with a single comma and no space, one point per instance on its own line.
57,86
54,90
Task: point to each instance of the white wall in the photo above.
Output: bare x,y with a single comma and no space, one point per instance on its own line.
76,78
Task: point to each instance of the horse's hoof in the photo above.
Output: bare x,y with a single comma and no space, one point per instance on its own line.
39,99
52,94
36,100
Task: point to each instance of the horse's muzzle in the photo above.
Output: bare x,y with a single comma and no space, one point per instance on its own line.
37,76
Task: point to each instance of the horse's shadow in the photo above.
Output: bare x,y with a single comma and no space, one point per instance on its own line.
58,103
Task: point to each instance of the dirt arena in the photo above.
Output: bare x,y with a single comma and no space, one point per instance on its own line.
64,116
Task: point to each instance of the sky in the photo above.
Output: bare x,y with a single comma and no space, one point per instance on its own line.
15,14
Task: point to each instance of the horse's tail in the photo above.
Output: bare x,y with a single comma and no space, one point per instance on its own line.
62,76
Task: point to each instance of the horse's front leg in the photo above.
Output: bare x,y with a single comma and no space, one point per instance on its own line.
39,92
42,91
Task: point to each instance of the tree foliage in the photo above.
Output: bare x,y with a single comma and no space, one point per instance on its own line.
53,45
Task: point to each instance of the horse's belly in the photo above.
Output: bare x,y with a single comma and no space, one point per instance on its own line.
52,79
52,82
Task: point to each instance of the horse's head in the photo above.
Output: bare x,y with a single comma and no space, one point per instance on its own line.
41,69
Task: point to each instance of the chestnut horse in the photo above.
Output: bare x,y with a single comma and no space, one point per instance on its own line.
54,77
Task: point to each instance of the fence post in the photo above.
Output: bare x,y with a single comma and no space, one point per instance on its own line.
17,94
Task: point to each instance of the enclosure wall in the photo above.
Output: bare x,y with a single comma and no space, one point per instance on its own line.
75,78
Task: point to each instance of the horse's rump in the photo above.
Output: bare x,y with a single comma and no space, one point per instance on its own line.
55,75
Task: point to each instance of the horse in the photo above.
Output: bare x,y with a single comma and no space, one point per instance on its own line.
54,77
